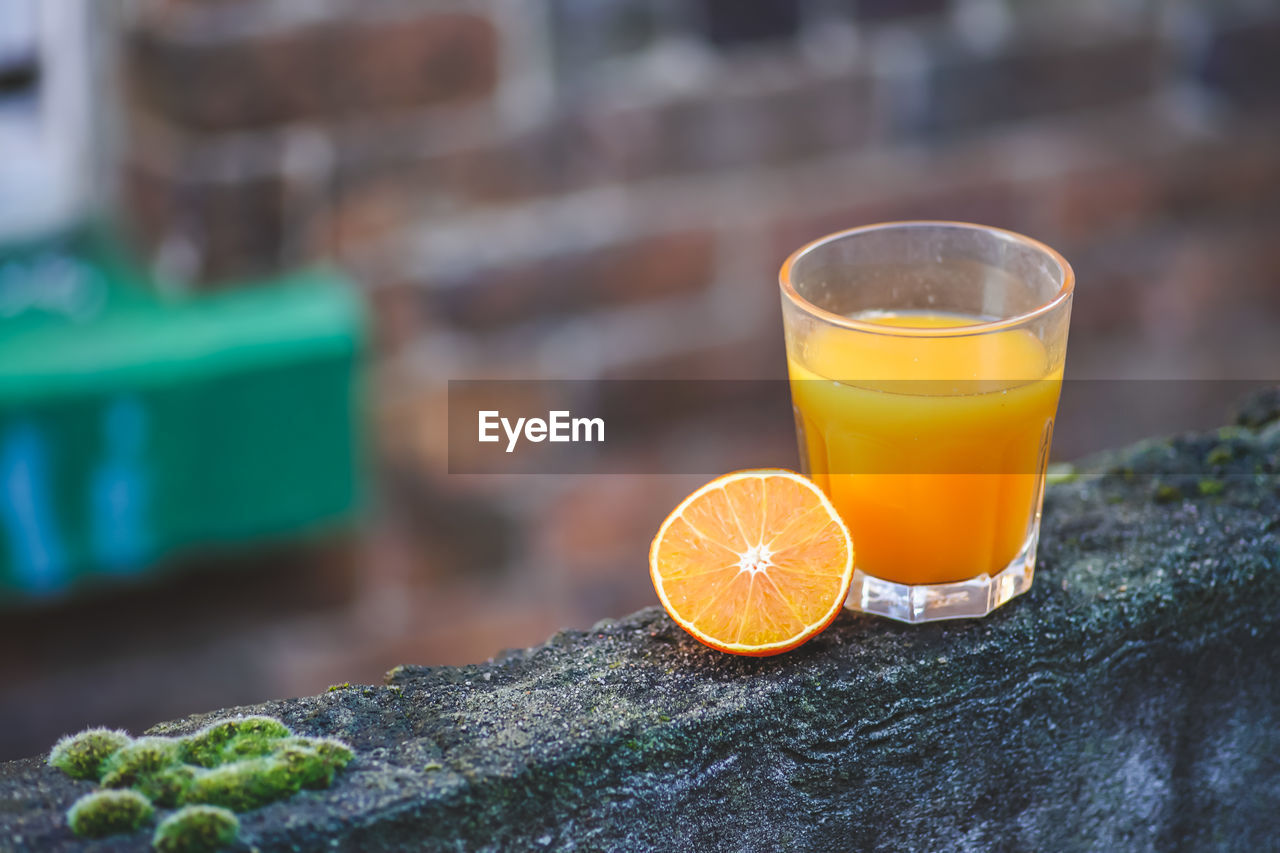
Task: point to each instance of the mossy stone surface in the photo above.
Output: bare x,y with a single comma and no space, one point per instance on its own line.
1129,701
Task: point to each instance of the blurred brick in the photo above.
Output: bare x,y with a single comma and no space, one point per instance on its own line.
603,519
439,58
149,202
1239,174
992,199
759,355
595,144
236,229
462,533
1032,79
765,129
588,31
396,317
1243,64
1110,286
412,419
637,270
885,10
1262,273
1250,261
1190,283
728,23
234,84
378,192
1144,182
553,157
366,210
316,71
1109,199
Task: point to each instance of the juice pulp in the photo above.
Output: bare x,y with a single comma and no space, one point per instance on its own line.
932,448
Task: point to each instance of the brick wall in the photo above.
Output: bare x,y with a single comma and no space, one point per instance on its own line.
582,188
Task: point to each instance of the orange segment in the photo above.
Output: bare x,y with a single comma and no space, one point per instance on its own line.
754,562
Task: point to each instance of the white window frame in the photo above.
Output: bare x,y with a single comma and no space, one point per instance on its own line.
46,163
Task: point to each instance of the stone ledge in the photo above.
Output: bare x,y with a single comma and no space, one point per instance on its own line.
1128,701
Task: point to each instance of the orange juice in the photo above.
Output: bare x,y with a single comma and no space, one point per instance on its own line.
932,448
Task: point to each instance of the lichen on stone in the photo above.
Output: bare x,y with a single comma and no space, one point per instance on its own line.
82,755
103,813
196,829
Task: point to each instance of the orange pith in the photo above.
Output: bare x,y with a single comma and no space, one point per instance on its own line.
754,563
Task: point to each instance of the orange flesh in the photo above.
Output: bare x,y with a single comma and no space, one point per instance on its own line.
755,563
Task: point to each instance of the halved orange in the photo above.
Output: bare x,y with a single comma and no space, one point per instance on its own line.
754,563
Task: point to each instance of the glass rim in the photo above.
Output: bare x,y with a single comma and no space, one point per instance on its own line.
1063,295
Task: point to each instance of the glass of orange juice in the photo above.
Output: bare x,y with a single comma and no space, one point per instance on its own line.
925,361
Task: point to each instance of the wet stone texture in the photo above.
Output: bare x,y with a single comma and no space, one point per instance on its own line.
1129,701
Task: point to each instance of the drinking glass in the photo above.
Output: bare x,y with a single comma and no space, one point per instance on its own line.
926,361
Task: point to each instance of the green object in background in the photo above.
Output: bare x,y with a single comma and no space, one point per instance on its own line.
134,427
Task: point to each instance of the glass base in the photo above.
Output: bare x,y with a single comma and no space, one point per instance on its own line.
959,600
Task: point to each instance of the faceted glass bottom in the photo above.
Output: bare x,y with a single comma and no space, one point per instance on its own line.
959,600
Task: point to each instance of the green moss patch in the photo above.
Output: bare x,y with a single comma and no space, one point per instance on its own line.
316,760
245,785
231,766
81,756
109,812
139,759
236,738
196,829
167,787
